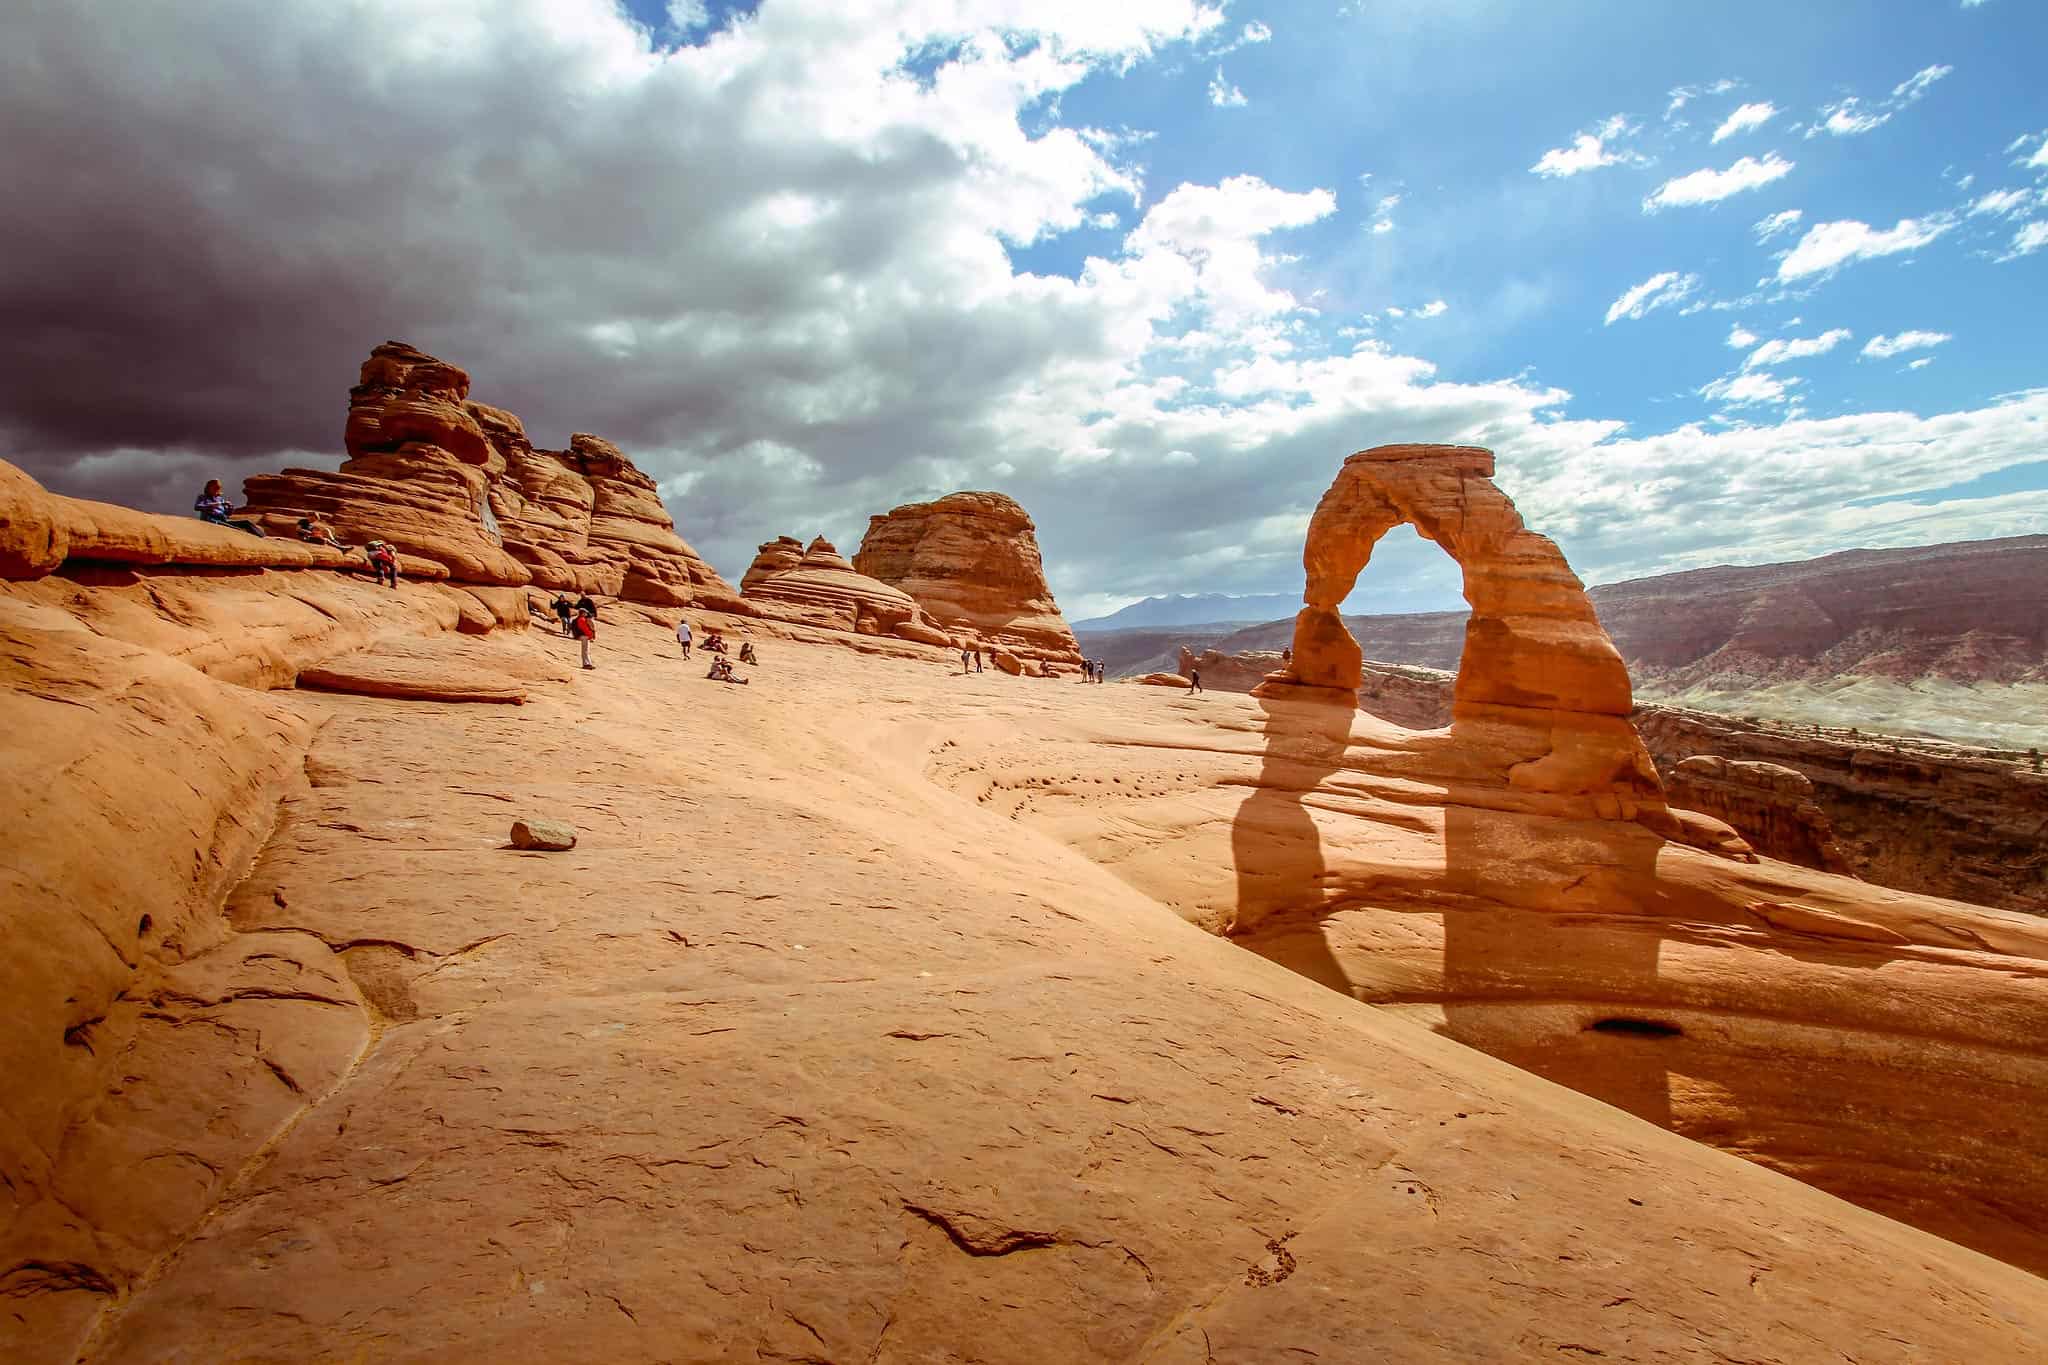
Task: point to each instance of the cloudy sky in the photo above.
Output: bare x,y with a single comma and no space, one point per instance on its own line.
1720,283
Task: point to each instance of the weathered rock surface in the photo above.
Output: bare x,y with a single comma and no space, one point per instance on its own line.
458,483
443,670
893,1060
1229,672
548,836
829,591
1164,680
971,561
1773,804
1541,692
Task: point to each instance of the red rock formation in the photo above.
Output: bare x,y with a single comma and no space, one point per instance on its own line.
1770,804
831,592
776,556
971,561
458,482
1540,687
1229,672
415,476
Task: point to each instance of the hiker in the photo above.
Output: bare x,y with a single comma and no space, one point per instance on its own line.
747,655
1287,655
721,671
383,561
977,658
585,627
565,612
1194,680
213,507
966,657
683,634
584,603
316,532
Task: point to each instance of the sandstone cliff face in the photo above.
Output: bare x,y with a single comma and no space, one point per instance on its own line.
971,561
1229,672
458,483
1771,805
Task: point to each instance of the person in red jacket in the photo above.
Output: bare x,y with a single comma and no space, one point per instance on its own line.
383,561
584,627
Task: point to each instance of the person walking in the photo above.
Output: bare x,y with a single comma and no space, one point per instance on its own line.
977,658
565,612
586,631
966,658
683,634
1194,680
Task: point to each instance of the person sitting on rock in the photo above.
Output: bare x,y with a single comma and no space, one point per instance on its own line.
683,634
213,507
383,561
715,643
747,655
721,671
585,627
316,532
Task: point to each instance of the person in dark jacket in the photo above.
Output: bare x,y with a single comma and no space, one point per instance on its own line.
213,507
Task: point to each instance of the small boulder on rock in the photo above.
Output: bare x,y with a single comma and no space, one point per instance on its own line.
550,836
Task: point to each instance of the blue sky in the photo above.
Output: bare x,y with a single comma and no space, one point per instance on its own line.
1723,283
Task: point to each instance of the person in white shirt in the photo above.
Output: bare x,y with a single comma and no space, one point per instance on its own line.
683,635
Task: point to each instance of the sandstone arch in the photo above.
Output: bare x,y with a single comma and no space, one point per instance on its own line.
1536,667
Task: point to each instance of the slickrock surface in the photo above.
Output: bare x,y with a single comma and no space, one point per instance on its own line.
1538,674
431,670
1229,672
971,561
873,1017
800,1054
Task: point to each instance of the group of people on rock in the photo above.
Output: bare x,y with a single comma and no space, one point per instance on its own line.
579,621
716,647
213,508
1091,670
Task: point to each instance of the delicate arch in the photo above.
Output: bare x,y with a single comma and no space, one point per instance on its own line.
1535,654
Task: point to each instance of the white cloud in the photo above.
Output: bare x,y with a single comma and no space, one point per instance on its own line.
1851,117
1922,363
1659,291
1780,350
1435,308
1383,213
1743,119
1740,338
1223,94
1828,246
1711,186
2027,240
1767,228
1746,390
1884,348
1588,152
1255,32
2006,203
1684,94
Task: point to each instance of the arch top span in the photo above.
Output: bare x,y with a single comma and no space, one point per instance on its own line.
1535,654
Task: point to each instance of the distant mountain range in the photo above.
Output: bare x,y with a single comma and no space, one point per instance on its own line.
1197,609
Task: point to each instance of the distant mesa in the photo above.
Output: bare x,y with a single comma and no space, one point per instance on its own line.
971,562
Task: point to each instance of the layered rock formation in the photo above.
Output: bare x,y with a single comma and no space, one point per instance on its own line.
971,561
1541,690
829,591
1771,805
458,483
1229,672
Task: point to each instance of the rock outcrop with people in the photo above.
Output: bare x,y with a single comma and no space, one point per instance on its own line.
971,561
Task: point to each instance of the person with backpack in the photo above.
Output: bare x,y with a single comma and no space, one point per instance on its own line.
585,628
383,561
